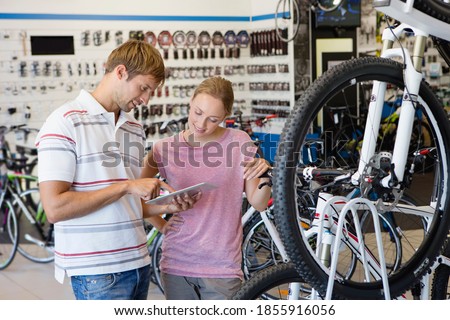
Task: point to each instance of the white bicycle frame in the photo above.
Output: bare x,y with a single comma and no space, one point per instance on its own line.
270,227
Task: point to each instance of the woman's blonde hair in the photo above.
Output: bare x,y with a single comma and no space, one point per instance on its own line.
140,58
218,88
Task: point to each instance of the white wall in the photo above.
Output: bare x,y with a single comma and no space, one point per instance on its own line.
132,7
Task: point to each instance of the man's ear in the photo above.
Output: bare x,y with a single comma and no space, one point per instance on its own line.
121,71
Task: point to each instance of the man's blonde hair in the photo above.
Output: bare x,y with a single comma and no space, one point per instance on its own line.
140,58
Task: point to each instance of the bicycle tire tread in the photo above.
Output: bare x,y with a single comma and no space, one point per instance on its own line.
267,278
439,287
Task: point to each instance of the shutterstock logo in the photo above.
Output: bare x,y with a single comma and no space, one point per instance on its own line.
179,153
129,151
323,151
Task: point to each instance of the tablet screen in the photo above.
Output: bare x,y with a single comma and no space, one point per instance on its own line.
191,191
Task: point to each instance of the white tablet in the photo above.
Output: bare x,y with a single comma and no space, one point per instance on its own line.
191,191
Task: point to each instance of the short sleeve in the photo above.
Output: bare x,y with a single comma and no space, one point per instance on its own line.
248,146
56,146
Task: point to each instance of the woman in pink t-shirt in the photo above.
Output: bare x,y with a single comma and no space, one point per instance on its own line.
202,255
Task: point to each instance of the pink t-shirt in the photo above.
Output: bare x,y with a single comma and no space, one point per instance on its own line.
209,242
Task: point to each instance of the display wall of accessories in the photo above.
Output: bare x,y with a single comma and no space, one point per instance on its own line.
266,43
44,69
269,86
187,41
75,69
37,78
263,107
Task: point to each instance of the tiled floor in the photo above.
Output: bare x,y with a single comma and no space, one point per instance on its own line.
27,280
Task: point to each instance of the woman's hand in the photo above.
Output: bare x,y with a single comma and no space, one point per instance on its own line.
255,168
173,224
182,203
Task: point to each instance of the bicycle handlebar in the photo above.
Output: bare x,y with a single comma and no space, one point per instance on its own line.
14,128
312,172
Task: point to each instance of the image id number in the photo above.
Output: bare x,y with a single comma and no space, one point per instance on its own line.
300,310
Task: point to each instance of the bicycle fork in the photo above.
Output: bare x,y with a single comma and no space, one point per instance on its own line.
413,78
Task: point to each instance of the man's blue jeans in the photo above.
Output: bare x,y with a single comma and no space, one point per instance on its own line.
128,285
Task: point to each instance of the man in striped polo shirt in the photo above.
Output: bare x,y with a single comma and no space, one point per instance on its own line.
90,155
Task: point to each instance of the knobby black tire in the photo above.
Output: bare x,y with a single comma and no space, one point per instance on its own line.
440,289
288,156
266,279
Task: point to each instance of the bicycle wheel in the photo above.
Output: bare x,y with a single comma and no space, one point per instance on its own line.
274,283
337,85
156,257
9,234
440,288
36,241
258,249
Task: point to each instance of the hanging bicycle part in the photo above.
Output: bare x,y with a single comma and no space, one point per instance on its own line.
230,43
282,19
164,41
204,40
179,42
290,10
150,37
217,40
191,42
242,41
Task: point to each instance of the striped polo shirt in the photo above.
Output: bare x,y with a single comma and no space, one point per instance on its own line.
80,143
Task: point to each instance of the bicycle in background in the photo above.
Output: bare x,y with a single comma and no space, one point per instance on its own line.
9,231
21,198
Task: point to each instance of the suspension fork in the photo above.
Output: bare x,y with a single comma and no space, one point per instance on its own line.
413,78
